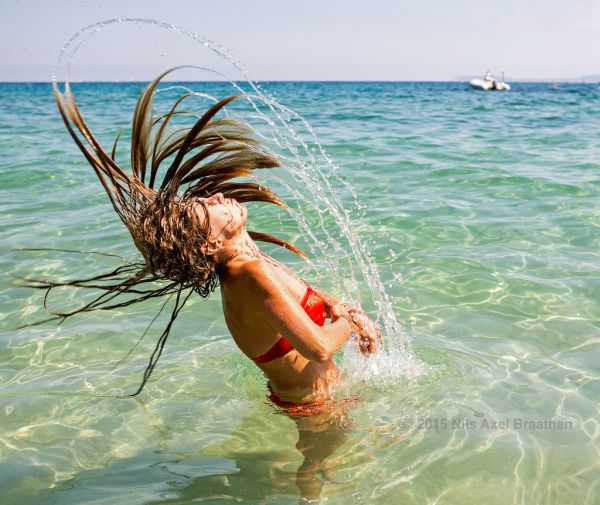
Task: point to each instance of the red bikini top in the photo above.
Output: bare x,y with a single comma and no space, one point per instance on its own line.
315,309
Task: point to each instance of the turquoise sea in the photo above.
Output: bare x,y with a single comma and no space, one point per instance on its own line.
481,214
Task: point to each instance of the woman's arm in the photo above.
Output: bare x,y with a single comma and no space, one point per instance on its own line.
329,300
314,342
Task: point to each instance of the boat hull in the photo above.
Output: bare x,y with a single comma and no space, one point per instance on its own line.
485,85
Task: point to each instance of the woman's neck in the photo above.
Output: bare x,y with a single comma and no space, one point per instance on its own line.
241,249
240,246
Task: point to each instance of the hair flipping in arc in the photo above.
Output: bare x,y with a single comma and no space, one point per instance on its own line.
162,220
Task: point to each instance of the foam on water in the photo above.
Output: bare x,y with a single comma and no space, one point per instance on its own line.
311,179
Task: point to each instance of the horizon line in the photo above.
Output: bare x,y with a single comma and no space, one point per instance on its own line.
525,80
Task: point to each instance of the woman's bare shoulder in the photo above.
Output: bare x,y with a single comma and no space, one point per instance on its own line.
252,273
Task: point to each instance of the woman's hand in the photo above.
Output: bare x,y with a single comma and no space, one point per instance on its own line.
369,332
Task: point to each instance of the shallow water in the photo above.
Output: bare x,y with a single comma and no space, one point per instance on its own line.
482,214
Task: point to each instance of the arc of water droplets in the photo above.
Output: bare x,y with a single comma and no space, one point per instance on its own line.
398,360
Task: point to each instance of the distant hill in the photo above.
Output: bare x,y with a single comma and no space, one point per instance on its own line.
590,78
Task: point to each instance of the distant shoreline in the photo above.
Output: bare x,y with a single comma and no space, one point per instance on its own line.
463,80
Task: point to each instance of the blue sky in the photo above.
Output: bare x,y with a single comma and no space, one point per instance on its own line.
309,39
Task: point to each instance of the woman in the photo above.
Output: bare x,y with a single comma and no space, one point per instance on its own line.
191,231
275,318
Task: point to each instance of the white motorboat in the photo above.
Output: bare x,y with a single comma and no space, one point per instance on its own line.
490,83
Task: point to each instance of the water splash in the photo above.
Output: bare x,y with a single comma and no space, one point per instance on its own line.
312,180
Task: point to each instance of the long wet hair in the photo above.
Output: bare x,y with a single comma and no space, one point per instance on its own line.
161,215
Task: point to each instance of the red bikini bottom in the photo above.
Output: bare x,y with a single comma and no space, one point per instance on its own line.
310,408
303,408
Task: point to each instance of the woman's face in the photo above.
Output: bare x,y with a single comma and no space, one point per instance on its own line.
226,216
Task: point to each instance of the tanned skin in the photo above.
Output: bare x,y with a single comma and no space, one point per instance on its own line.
261,302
